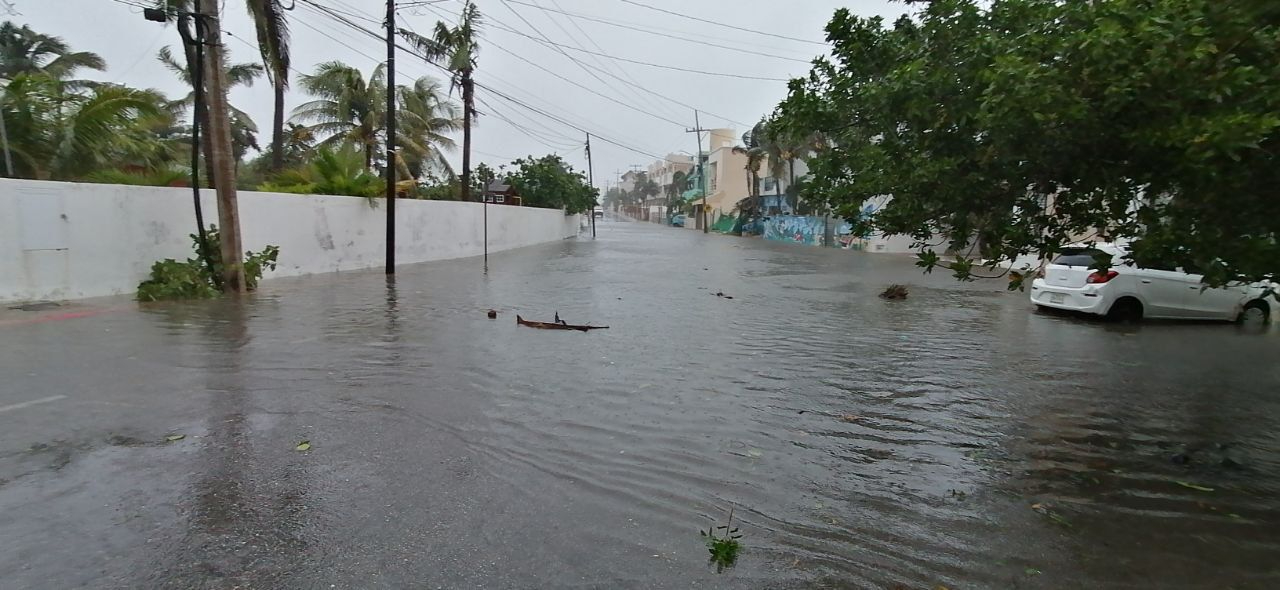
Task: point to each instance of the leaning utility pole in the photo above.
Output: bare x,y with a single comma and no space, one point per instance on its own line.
591,181
391,137
224,164
702,173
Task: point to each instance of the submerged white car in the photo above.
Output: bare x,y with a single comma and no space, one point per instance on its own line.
1127,292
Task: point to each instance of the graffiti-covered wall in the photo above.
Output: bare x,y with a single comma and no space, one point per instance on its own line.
805,230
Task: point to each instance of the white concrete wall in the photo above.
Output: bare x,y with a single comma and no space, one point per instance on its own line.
72,240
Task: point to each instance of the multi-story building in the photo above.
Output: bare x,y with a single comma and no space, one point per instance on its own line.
663,172
727,179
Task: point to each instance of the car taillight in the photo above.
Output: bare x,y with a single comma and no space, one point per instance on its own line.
1099,278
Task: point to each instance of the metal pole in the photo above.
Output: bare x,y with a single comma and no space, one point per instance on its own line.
391,137
592,182
702,172
197,87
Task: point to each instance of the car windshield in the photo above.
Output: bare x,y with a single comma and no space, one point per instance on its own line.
1085,257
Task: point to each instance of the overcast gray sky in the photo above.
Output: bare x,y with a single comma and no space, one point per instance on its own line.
116,30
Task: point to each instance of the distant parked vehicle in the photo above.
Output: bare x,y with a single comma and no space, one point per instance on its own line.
678,220
598,212
1070,283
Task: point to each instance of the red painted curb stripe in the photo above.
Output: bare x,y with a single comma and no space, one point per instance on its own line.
71,315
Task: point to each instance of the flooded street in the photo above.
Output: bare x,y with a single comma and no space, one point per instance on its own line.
956,438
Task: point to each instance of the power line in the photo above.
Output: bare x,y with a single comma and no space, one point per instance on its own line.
353,13
720,24
496,92
630,83
567,123
135,4
542,139
580,65
575,15
600,94
605,66
645,63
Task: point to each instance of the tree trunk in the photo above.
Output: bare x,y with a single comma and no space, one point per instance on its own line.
368,156
468,107
223,170
791,184
277,125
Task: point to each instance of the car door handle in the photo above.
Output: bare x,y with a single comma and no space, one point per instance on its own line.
1146,281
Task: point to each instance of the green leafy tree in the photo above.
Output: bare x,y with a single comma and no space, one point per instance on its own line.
645,188
550,182
482,177
675,191
1018,126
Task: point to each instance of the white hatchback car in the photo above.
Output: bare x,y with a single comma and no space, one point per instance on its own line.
1128,292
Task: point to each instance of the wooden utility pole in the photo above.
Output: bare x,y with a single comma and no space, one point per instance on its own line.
224,161
591,181
391,137
702,173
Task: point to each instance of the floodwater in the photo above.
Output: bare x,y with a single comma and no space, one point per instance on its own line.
956,438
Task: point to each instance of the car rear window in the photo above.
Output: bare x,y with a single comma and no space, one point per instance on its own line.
1085,257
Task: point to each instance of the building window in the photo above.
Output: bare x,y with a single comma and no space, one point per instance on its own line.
770,184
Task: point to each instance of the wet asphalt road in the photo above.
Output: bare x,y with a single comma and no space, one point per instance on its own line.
955,438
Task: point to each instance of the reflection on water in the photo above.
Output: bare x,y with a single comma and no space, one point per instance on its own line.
953,438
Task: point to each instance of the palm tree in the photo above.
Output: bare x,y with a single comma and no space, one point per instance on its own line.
456,49
756,154
24,51
347,109
56,134
273,42
423,118
243,129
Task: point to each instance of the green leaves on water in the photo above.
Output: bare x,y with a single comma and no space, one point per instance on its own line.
175,437
1187,484
723,545
303,446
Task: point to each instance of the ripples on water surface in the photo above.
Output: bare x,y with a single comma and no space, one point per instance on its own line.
955,438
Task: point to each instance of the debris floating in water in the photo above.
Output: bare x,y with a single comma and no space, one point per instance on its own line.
493,314
895,292
558,324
